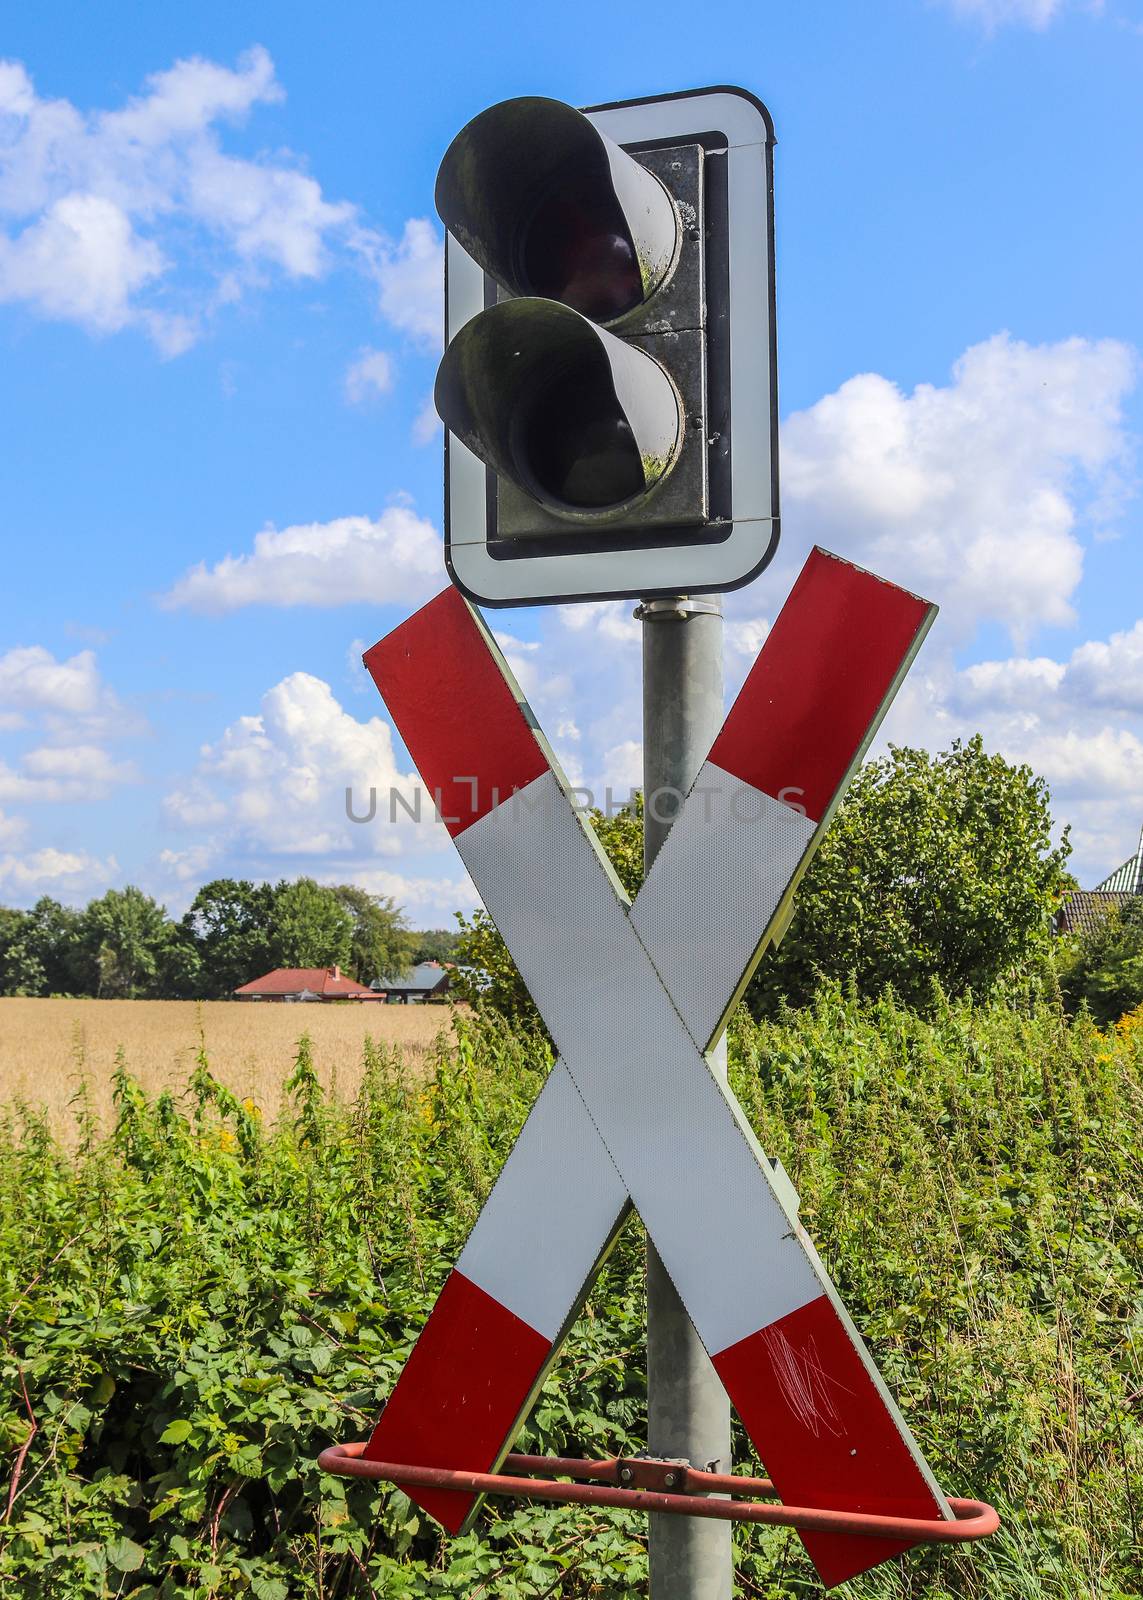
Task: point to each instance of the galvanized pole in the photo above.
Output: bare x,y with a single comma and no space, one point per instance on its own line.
688,1412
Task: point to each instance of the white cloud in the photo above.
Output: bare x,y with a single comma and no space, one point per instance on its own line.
1016,682
1100,676
11,829
84,764
745,636
275,782
396,559
973,492
32,679
139,217
623,770
268,798
55,773
68,696
1079,765
371,374
67,706
81,261
428,901
410,277
1109,674
72,874
1036,14
1075,722
189,866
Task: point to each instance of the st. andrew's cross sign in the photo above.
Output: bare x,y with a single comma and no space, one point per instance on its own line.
634,996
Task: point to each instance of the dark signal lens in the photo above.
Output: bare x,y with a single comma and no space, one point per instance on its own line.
573,254
577,448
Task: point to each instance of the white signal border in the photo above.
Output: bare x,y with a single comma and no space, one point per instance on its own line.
648,569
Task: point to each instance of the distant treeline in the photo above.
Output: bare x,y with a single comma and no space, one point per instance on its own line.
124,944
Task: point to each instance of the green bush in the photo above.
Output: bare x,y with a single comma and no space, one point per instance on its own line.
1102,968
195,1303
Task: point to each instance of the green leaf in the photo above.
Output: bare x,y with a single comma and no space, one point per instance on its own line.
125,1555
176,1432
268,1589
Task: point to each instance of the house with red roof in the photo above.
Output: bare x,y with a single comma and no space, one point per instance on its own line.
305,983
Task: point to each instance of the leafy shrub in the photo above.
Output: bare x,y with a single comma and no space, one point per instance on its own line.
199,1301
937,868
1102,968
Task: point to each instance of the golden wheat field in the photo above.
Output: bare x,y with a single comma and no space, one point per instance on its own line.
45,1044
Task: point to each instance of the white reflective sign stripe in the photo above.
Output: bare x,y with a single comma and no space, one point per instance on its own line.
718,879
554,1206
689,1162
701,918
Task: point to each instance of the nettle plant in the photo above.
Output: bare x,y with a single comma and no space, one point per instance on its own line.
200,1298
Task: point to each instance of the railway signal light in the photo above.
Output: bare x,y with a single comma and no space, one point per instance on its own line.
608,385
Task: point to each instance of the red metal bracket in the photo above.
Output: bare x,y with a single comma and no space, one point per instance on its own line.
661,1486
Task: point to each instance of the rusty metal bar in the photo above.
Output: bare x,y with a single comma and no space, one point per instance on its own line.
598,1484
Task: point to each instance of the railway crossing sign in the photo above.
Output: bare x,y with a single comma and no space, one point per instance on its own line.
635,995
609,382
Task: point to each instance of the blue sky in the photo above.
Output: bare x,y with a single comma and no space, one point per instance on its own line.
219,314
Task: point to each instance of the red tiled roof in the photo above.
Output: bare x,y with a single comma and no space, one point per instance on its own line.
326,981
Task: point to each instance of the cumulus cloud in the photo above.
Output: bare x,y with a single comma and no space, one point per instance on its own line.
269,797
32,679
11,829
1016,683
191,865
141,217
397,558
370,375
1077,722
277,779
71,711
69,698
54,773
427,900
972,492
80,261
410,280
1100,676
66,874
1109,673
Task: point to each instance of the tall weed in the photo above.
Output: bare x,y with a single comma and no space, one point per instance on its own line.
196,1301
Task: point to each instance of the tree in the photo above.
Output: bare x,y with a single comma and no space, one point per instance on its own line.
491,978
131,948
1103,968
381,941
935,868
433,944
56,932
230,926
309,926
21,971
41,950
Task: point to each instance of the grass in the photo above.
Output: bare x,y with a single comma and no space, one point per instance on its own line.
43,1043
196,1302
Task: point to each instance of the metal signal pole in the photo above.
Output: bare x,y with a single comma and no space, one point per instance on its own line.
688,1411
